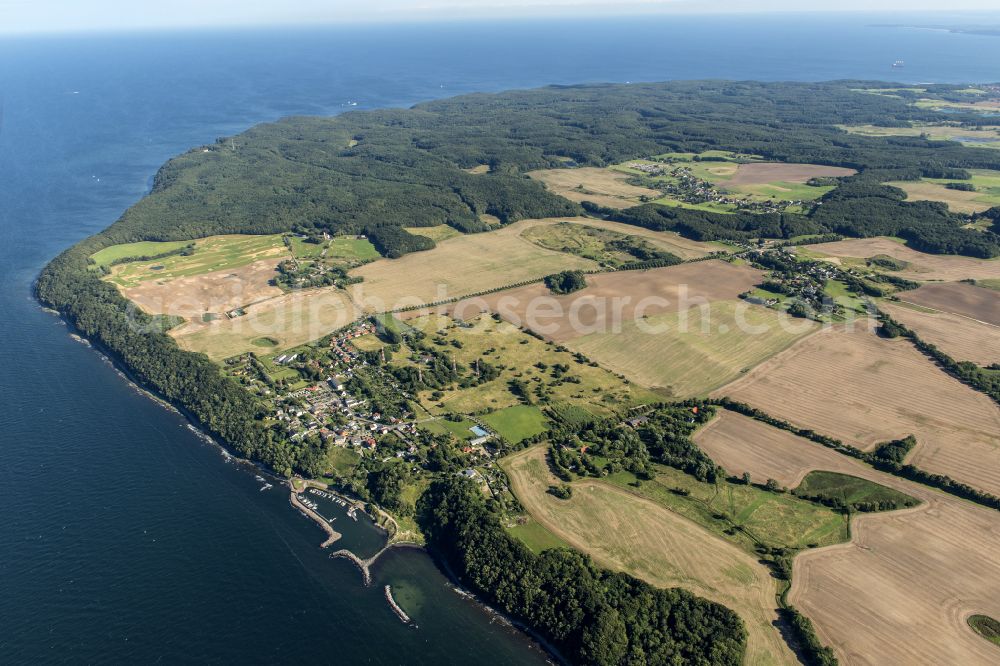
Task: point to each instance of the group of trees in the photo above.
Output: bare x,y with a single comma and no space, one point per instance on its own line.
590,615
663,435
565,282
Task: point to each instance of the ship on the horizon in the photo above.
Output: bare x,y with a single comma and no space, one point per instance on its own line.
898,64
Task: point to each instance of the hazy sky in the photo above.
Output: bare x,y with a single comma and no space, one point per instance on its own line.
18,16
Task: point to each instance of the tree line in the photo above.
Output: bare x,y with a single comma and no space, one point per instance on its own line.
589,614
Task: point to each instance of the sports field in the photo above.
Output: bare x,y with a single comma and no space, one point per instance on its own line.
517,423
695,351
630,533
894,391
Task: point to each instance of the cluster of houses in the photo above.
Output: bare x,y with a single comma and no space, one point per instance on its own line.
691,189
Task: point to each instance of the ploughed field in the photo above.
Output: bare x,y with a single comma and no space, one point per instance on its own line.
901,590
862,389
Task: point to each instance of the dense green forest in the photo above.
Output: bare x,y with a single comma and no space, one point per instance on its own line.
591,615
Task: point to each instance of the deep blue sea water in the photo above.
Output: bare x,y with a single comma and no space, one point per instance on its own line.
126,538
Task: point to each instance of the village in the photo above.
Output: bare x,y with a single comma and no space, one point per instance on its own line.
314,394
679,182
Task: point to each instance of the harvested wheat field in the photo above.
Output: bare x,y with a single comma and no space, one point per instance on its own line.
967,300
611,300
962,338
283,322
740,444
695,351
900,591
762,173
602,186
863,389
462,265
216,292
922,266
629,533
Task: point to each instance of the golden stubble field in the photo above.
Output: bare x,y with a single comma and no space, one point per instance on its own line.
458,266
901,590
922,266
629,533
679,330
864,390
960,337
601,186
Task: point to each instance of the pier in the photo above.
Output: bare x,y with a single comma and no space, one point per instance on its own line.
332,535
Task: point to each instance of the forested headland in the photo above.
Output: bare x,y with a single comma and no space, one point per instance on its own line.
377,173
